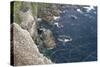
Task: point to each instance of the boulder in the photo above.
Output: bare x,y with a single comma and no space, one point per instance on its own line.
48,39
24,50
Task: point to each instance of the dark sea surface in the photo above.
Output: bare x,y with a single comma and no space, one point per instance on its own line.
81,27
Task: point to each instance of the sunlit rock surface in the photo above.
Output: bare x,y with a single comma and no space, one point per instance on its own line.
25,51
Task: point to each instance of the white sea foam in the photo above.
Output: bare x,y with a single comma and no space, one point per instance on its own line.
78,10
57,24
73,16
67,40
56,17
64,40
89,8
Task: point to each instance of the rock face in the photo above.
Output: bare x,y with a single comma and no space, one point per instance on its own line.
48,38
28,22
25,51
47,12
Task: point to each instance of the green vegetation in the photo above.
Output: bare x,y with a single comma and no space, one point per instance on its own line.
35,7
43,5
17,6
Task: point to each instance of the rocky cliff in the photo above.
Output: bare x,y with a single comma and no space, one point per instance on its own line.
31,25
28,39
25,51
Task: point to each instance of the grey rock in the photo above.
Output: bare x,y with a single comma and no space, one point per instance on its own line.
28,22
48,39
25,51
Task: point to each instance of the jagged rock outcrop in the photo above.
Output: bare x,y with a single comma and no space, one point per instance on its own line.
47,12
25,51
29,23
48,38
